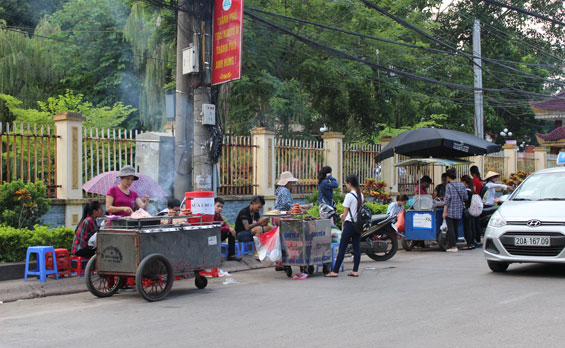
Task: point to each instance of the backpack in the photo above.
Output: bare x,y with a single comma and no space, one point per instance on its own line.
476,207
484,190
364,216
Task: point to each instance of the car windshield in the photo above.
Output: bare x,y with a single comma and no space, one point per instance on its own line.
541,187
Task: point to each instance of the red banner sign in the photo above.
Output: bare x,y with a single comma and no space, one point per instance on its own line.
227,42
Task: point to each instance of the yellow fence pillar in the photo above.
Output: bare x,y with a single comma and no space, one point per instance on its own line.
510,159
264,165
388,168
333,146
68,128
540,157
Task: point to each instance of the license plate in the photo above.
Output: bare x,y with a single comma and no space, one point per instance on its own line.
531,241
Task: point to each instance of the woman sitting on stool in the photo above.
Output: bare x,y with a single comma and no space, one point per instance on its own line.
85,229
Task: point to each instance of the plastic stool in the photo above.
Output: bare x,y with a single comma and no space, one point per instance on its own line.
41,271
239,249
224,250
79,264
335,249
248,248
63,258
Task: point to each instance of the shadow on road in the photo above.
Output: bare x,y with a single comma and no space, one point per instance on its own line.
536,270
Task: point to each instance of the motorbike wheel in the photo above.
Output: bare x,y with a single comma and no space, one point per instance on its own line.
392,248
408,245
327,268
288,271
310,270
442,242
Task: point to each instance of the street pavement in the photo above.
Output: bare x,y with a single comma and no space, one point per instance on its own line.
417,299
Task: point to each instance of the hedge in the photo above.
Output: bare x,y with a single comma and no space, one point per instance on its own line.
375,208
14,242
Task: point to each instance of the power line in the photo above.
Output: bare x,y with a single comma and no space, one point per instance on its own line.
524,11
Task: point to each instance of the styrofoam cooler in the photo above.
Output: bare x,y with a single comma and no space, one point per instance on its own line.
201,204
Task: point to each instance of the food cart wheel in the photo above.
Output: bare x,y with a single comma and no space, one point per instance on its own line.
288,271
99,285
154,277
327,268
407,244
310,270
200,281
442,242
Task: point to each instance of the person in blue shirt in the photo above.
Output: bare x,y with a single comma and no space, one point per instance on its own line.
326,185
396,207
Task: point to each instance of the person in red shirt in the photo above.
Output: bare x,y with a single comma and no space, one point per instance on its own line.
85,229
226,230
477,181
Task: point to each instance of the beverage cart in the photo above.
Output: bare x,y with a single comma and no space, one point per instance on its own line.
424,215
153,250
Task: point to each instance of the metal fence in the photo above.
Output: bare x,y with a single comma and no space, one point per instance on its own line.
360,159
236,166
551,161
303,159
494,162
27,153
526,162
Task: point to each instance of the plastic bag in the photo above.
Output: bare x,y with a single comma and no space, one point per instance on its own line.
400,221
270,246
443,229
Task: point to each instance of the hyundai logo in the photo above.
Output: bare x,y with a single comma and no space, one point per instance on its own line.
533,223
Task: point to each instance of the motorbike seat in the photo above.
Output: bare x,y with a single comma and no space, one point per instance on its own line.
376,219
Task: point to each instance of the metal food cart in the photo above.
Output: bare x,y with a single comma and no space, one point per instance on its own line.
305,243
424,216
153,253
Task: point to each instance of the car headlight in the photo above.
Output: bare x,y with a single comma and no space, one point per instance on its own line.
496,220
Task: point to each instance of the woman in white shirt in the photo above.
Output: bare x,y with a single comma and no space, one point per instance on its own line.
491,185
351,204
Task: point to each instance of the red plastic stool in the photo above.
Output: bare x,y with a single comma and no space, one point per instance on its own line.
78,264
213,273
63,262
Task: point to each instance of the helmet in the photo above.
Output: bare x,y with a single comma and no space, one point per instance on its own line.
326,211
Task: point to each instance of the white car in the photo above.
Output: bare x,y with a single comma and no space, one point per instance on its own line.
530,226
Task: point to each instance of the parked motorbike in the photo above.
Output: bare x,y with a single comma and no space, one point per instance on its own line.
379,238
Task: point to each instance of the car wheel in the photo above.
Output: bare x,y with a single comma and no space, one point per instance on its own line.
498,266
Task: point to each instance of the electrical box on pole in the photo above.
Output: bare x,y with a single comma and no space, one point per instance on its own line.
209,114
190,60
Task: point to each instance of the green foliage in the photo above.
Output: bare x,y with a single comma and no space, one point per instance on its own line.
376,209
95,117
22,203
14,242
387,131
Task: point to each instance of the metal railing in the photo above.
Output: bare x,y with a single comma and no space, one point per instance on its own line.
551,161
526,162
303,159
28,153
236,166
360,159
494,162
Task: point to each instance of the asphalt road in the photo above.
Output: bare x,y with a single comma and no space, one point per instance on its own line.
417,299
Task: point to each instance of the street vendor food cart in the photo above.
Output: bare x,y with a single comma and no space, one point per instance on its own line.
305,242
153,250
424,215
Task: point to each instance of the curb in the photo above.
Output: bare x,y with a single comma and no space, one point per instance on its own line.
15,290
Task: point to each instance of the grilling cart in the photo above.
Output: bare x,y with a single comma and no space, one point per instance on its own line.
154,251
424,215
305,242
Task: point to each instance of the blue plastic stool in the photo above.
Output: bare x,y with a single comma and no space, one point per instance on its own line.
335,249
248,248
41,271
225,250
239,249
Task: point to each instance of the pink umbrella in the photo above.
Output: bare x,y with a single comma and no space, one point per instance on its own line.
101,183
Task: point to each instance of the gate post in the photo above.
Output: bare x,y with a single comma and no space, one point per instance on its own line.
333,147
68,128
388,168
510,159
264,175
540,156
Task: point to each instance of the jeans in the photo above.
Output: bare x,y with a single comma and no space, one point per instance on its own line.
347,234
469,223
231,243
245,236
452,231
477,227
86,252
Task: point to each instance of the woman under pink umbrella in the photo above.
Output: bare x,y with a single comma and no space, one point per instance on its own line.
120,199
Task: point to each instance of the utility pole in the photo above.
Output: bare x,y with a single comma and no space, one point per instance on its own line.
193,168
477,68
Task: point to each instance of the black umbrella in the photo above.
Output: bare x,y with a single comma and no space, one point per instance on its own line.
436,143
